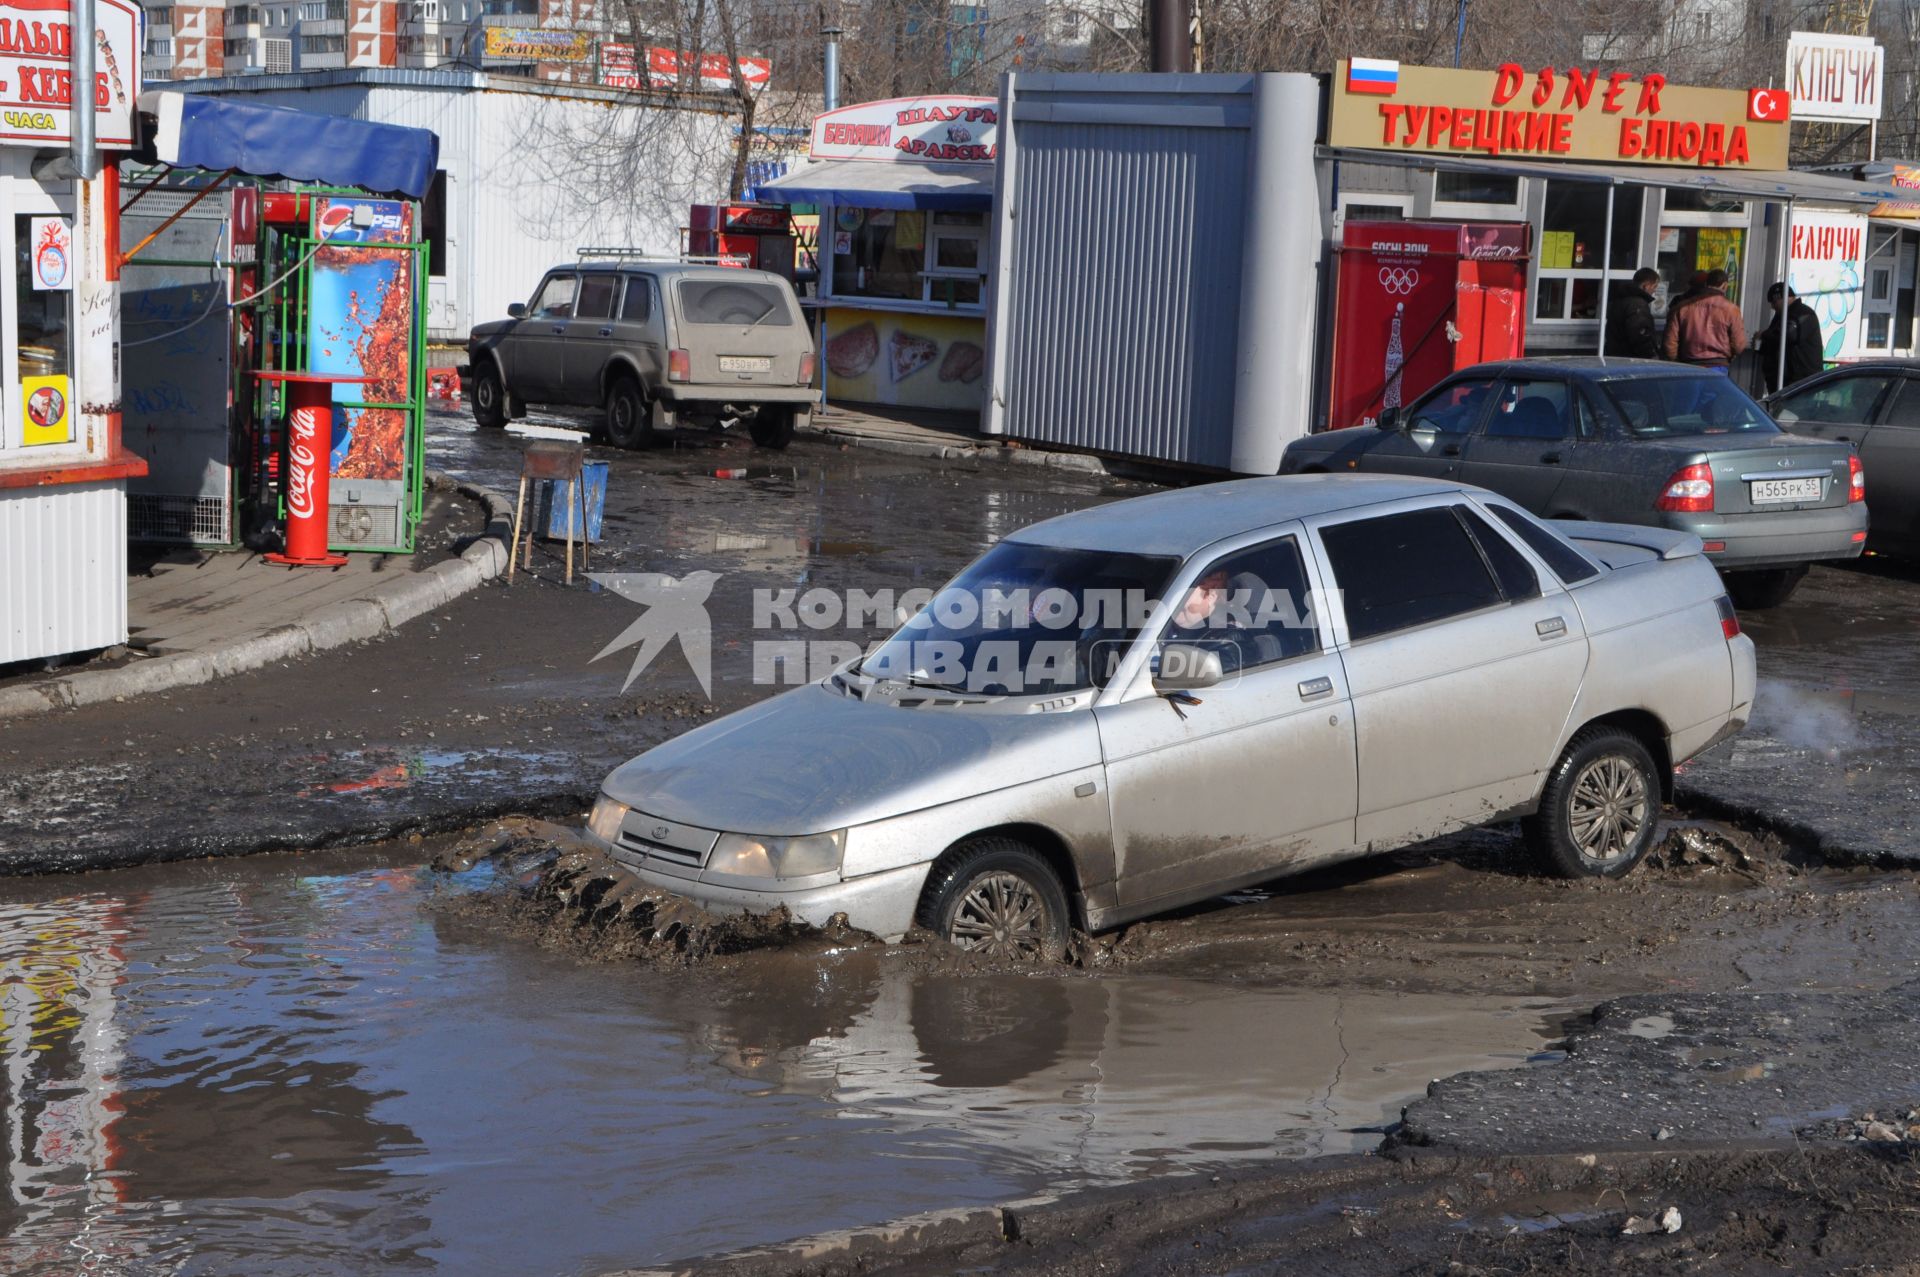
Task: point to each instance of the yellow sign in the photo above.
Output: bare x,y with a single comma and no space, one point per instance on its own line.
1554,114
48,410
1904,210
530,44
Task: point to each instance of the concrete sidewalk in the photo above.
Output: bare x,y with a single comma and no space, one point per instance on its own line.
943,436
195,615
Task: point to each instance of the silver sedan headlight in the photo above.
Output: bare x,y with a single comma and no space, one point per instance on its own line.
754,856
608,815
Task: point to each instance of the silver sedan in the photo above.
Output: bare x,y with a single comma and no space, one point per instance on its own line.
1148,703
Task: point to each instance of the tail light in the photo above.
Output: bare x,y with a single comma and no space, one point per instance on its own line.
1689,491
679,366
806,369
1856,478
1729,619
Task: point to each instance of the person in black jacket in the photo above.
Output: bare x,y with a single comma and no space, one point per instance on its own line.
1630,333
1806,348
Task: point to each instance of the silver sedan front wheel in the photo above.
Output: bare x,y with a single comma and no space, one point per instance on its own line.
996,896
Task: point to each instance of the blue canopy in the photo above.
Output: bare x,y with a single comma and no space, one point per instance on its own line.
197,131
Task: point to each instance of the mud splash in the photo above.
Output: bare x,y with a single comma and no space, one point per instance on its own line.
553,887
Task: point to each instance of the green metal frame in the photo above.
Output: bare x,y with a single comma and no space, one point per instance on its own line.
290,326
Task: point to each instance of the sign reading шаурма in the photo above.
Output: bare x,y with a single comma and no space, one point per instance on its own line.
1555,114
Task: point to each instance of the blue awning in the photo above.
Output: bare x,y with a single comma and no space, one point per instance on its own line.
217,133
880,184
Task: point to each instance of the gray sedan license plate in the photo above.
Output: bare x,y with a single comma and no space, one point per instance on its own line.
1774,491
745,363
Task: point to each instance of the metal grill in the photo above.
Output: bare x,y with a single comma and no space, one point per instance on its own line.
179,520
659,851
360,524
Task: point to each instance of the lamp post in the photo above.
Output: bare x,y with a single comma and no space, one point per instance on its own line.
1459,33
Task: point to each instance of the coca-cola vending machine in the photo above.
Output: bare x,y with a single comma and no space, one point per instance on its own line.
757,236
1417,300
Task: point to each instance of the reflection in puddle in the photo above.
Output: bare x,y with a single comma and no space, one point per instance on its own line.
285,1065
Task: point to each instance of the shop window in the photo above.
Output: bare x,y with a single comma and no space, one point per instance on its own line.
909,255
1573,245
1686,250
1475,188
45,360
1696,201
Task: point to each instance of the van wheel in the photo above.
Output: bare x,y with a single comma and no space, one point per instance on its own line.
1599,808
489,397
1757,591
629,415
996,896
772,428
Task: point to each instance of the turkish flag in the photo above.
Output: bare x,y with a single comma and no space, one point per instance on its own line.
1769,106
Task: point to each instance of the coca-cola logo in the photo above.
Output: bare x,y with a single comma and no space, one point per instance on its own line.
302,454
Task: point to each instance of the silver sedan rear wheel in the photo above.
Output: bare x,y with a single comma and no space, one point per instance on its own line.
1599,808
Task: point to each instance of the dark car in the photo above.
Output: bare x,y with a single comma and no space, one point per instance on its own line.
1626,441
1876,408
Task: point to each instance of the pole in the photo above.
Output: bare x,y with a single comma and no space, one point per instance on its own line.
1460,36
86,155
1170,31
1786,291
830,92
1606,265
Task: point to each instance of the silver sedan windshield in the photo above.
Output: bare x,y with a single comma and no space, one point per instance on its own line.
1026,620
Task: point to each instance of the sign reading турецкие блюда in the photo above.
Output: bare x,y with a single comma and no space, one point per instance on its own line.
1556,114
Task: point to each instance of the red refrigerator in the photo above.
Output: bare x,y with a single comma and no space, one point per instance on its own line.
1417,300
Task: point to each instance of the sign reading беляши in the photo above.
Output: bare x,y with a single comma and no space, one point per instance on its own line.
1552,114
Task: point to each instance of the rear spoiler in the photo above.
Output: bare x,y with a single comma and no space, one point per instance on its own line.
1662,542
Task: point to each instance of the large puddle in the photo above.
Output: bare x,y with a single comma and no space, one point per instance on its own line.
286,1065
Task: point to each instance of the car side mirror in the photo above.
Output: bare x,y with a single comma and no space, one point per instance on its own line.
1187,669
1389,418
516,310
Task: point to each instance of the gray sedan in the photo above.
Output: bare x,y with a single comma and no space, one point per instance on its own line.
1631,441
1149,703
1875,407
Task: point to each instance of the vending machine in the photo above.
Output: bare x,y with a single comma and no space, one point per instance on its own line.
757,236
1417,300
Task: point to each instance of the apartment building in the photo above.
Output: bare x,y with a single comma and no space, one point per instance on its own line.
208,39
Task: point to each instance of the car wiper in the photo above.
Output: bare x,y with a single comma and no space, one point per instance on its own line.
762,315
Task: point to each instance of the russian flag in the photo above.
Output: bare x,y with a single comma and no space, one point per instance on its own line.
1373,75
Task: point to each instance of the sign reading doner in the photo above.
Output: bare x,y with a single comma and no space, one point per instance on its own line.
1555,114
36,82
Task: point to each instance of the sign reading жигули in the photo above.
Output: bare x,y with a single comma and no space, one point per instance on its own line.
1571,114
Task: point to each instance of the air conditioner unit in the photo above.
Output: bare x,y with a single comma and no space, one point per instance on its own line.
278,56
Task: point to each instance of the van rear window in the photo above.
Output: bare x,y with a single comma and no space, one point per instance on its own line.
726,301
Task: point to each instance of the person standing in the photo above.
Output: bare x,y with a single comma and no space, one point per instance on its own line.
1707,332
1806,348
1630,333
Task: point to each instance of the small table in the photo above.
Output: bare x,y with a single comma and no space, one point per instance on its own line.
309,403
559,461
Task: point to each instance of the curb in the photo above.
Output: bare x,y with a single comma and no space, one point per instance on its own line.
384,608
1076,462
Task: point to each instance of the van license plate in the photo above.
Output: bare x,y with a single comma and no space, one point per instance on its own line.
1772,491
745,363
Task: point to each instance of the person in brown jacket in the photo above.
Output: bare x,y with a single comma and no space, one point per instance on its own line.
1707,332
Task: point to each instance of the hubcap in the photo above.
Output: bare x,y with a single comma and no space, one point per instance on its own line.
1609,808
1001,914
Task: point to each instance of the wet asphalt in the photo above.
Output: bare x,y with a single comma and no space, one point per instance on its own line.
937,1088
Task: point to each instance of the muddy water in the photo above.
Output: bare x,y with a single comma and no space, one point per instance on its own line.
288,1065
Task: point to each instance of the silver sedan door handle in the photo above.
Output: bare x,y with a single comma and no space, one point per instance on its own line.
1315,687
1552,627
